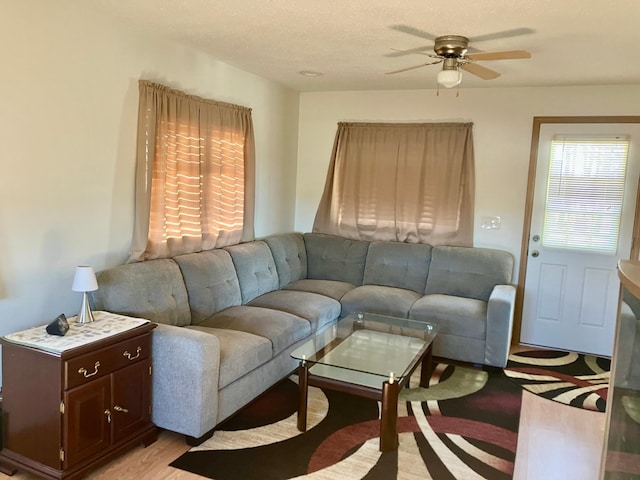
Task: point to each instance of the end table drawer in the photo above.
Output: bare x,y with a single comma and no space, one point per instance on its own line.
88,367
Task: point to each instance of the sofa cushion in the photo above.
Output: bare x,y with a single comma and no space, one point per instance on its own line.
317,309
255,268
392,301
458,316
153,290
211,282
240,352
281,328
395,264
335,258
468,271
329,288
290,256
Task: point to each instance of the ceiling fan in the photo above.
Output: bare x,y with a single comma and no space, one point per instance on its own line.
451,51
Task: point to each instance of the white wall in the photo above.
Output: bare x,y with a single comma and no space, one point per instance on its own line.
502,119
67,146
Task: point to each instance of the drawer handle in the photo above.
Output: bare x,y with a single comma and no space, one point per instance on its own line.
118,408
128,355
86,373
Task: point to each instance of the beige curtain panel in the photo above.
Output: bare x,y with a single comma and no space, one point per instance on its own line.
400,182
195,177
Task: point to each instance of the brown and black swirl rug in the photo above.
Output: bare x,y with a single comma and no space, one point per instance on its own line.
464,426
567,377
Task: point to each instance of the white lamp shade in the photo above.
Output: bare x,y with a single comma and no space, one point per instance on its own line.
449,78
84,279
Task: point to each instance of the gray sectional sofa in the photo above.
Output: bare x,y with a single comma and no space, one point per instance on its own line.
229,318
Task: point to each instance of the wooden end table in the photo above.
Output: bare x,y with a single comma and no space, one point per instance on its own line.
72,403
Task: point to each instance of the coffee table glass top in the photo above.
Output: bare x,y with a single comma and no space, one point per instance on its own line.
365,349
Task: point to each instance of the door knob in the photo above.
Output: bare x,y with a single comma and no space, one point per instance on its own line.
535,254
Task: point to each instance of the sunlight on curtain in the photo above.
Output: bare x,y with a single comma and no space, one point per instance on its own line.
195,174
400,182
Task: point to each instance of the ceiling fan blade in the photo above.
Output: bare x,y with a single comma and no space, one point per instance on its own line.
505,33
508,55
480,71
413,31
411,68
399,53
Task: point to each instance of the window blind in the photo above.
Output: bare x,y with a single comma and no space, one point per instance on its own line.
585,192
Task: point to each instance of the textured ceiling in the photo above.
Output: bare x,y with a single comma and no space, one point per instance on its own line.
572,42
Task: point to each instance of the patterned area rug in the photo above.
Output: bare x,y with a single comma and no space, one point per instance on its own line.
567,377
464,426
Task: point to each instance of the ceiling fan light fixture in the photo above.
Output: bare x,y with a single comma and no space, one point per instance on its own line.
449,78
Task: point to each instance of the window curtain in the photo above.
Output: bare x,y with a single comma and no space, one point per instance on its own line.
400,182
195,177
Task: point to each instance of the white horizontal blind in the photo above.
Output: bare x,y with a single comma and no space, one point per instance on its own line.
585,192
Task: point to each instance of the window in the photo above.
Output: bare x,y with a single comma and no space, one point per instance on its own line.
400,182
585,193
194,185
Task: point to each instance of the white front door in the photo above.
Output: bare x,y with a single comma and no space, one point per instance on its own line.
571,284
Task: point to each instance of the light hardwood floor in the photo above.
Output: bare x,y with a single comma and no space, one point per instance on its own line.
558,442
555,442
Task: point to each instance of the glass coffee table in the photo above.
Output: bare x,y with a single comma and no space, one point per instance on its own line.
368,355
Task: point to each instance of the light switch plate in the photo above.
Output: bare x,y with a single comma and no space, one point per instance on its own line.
491,223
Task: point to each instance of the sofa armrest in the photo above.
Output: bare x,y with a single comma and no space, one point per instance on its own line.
186,366
500,310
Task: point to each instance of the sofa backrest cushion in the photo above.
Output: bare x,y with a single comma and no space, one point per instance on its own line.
470,272
153,290
395,264
255,268
335,258
211,281
289,255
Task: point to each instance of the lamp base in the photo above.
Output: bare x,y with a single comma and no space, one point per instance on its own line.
85,315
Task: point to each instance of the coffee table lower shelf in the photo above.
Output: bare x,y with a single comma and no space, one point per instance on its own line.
387,395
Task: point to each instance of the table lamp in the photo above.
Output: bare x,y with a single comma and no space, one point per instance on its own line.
84,281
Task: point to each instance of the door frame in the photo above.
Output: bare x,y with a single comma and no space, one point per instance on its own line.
528,210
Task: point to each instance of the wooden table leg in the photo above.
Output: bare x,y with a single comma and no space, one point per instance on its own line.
389,417
427,367
303,389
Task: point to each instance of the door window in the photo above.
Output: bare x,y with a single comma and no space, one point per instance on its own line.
585,191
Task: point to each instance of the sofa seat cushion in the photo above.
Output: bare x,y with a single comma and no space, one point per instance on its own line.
240,352
317,309
392,301
329,288
281,328
459,316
